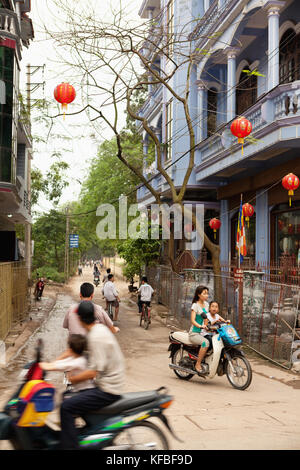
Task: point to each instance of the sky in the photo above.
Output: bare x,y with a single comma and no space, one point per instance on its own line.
77,152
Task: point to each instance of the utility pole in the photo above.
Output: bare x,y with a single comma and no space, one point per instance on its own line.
67,251
27,228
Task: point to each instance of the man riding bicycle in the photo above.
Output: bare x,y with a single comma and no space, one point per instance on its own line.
145,294
111,294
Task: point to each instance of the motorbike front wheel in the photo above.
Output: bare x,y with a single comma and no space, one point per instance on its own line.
140,436
239,372
177,358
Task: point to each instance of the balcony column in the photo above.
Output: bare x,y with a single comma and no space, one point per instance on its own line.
206,5
273,7
201,115
231,53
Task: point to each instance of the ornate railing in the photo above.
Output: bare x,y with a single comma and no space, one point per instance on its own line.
9,23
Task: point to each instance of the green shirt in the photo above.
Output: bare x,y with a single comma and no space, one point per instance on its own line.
199,318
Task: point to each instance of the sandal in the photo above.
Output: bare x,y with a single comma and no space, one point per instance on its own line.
201,370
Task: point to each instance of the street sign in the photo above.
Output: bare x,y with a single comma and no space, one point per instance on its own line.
74,241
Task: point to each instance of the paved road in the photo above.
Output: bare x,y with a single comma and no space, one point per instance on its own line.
205,414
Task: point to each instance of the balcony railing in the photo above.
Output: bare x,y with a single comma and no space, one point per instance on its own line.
9,24
281,104
209,21
153,100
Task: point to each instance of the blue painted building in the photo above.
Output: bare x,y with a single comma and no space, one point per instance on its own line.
246,62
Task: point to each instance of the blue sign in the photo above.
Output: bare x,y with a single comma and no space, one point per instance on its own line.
74,241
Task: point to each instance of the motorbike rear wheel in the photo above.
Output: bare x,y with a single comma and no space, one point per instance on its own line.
141,436
241,375
176,357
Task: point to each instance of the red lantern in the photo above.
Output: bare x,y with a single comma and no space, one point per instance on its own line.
64,94
215,224
291,183
248,211
241,128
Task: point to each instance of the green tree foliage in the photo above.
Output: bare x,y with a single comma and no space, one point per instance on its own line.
48,233
51,185
138,254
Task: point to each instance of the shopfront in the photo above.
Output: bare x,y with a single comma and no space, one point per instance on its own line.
285,233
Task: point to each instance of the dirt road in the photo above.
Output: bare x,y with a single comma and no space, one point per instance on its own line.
205,414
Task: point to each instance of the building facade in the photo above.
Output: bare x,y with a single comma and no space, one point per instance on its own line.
246,62
16,31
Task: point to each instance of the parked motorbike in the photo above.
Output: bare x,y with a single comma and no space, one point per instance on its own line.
223,356
96,280
122,425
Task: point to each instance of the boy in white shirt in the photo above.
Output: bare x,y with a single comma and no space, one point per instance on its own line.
111,294
145,293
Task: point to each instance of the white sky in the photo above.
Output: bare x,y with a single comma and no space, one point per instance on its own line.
42,51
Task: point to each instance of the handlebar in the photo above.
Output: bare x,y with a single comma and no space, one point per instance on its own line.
216,325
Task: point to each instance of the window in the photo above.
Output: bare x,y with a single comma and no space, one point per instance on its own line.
211,111
170,27
169,130
289,57
246,91
286,226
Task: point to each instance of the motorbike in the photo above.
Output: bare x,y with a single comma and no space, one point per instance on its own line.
123,425
223,356
96,280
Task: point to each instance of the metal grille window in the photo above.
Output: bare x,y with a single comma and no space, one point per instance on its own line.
289,65
246,92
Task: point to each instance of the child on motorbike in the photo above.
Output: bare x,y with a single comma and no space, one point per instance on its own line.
74,363
199,321
213,313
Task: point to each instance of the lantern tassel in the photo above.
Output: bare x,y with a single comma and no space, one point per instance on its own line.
64,107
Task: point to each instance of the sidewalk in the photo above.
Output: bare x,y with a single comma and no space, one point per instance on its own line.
22,331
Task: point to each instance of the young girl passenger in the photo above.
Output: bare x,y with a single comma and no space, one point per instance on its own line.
213,313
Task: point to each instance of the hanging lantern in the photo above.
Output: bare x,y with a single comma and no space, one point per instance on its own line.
290,182
64,94
188,229
241,128
248,211
215,224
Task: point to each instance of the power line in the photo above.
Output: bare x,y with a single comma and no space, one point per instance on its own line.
177,138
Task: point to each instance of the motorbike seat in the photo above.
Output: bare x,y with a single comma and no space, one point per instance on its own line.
127,402
182,336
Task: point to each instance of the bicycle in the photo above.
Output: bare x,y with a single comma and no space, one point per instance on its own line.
110,312
145,316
